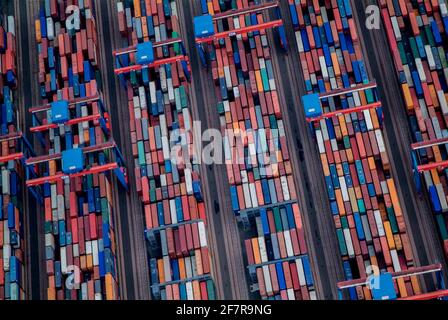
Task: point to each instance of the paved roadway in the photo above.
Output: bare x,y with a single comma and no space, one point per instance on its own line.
132,257
28,95
133,261
418,215
313,199
131,251
226,239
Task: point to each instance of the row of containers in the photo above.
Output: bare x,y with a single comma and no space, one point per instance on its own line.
161,126
12,253
259,169
78,155
418,38
344,112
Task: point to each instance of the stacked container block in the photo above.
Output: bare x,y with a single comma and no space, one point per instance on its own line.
78,213
161,122
418,36
365,207
12,259
258,166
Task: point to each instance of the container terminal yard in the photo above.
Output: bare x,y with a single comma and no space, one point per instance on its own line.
224,150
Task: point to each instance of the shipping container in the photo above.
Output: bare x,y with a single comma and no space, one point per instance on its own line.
259,169
12,237
365,207
79,222
420,58
167,174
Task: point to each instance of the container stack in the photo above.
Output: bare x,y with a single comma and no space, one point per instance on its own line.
365,207
418,37
12,259
78,212
263,192
161,127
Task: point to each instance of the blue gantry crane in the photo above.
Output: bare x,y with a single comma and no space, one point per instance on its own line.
145,57
205,26
73,160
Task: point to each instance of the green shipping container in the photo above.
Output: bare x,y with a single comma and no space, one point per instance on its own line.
211,290
442,226
341,241
141,153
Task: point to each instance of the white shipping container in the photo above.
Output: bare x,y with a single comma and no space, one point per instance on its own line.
85,113
202,234
89,247
366,228
11,25
54,196
408,75
96,259
142,97
395,260
163,126
300,272
49,240
442,197
136,102
171,96
379,223
166,148
189,287
285,188
323,126
349,243
84,292
187,119
174,9
6,235
227,77
396,28
344,191
368,119
75,250
445,73
5,182
299,42
291,295
50,29
162,77
167,268
442,101
188,181
63,252
173,211
379,139
430,57
420,70
236,24
267,280
253,194
152,92
61,207
157,34
288,243
163,182
320,142
262,247
247,197
188,269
